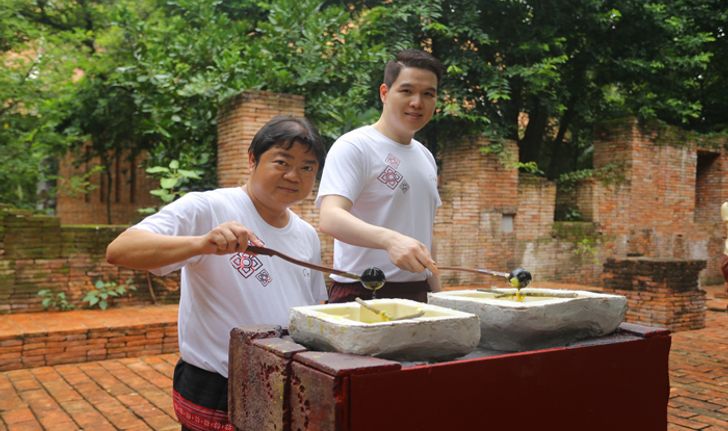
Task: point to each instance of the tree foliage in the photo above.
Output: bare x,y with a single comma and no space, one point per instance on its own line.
150,75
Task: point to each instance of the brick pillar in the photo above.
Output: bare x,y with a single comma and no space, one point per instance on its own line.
475,227
661,292
536,198
239,121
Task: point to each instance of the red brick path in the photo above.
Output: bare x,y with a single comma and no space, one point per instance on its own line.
699,377
121,394
134,393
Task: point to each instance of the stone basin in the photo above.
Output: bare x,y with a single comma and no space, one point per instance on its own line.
440,333
549,318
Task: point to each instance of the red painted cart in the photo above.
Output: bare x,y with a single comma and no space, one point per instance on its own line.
616,382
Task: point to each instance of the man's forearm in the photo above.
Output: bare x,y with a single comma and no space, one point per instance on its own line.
346,227
139,249
405,252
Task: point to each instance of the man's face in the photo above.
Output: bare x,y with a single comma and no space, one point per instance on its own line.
283,177
410,101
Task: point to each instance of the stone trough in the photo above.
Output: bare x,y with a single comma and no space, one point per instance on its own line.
439,333
545,318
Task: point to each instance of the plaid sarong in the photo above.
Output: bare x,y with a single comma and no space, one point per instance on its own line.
199,398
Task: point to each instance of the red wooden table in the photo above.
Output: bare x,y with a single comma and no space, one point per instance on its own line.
616,382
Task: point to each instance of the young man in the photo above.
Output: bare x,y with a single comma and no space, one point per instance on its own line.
206,235
378,193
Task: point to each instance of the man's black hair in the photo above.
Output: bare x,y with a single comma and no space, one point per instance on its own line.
412,58
283,131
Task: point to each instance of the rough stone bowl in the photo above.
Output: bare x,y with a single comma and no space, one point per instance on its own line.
438,334
553,318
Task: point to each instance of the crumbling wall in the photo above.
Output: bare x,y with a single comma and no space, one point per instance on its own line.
37,252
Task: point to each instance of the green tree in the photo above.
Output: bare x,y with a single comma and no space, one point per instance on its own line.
566,64
36,82
150,75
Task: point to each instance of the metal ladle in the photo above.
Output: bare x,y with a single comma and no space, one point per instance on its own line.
517,278
372,278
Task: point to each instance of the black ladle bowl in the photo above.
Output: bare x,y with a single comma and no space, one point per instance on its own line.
519,278
373,279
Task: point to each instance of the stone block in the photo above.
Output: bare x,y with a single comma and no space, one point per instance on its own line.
320,387
430,333
543,318
256,380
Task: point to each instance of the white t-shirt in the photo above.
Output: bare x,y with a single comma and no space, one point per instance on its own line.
219,293
390,185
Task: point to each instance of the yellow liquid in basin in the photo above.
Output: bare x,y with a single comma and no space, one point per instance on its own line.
359,314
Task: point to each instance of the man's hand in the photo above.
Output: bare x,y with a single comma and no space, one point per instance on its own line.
229,237
409,254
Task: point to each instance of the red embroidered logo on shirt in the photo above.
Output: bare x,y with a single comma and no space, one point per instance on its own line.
392,160
404,186
390,177
264,277
246,264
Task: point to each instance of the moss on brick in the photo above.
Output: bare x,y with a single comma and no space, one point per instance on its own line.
574,231
88,239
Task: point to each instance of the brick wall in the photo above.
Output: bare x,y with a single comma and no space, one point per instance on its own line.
660,292
667,204
475,226
38,253
239,121
130,188
80,345
536,197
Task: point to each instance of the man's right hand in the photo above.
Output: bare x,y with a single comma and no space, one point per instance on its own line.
409,254
229,237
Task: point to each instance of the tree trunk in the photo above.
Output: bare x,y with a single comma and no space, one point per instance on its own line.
107,187
530,145
553,169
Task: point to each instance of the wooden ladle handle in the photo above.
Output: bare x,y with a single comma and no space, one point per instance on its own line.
270,252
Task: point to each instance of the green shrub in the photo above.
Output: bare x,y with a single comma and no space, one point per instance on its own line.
104,293
54,300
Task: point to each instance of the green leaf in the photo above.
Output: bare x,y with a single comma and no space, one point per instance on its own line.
189,174
157,170
174,165
168,183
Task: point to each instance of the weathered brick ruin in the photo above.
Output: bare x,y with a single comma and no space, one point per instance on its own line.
661,292
39,253
113,201
656,194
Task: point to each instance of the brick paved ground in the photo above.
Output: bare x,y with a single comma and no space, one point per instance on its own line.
121,394
134,393
699,377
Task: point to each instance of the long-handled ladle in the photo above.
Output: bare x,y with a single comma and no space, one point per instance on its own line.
384,315
517,278
372,278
